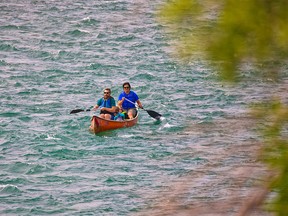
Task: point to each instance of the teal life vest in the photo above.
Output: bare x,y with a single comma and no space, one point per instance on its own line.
106,103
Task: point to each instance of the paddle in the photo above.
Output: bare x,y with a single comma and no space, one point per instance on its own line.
79,110
152,113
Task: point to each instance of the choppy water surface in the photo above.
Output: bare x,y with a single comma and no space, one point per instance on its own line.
57,56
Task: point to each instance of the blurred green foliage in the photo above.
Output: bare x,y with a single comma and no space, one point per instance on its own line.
230,34
273,116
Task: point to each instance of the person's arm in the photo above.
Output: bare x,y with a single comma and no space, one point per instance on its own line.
95,107
139,104
120,102
112,109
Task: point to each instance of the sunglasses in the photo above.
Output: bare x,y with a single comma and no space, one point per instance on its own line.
106,92
126,87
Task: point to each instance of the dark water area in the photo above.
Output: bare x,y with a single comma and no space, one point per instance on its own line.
59,56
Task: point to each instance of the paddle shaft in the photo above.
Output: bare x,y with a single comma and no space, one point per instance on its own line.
152,113
133,103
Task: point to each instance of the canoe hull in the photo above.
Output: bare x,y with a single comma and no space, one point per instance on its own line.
99,124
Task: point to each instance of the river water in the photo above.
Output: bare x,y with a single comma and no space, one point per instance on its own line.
56,56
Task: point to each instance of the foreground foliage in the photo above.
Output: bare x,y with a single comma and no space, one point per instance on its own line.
274,118
231,34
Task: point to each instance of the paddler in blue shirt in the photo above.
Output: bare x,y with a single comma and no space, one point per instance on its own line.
129,105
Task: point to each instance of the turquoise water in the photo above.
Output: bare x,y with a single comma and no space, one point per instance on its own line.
58,56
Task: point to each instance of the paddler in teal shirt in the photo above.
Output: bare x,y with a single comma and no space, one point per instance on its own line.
107,105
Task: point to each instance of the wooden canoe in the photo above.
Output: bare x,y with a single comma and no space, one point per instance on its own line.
99,124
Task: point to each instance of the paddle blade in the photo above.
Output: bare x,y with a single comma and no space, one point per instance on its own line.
77,111
153,114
